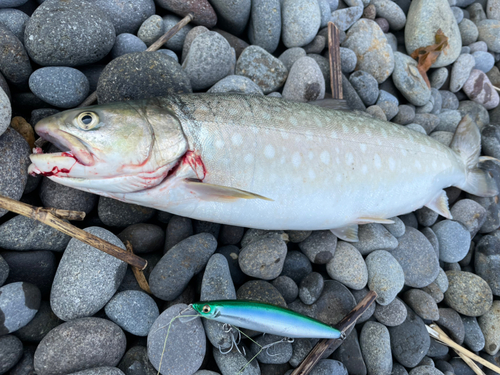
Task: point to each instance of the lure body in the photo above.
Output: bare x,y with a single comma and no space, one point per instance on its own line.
265,318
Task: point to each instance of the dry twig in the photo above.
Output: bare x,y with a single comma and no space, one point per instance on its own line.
138,273
343,326
335,63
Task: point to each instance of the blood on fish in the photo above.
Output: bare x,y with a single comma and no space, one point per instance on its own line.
194,160
55,171
70,155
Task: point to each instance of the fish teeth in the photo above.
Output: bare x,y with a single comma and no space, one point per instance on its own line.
33,170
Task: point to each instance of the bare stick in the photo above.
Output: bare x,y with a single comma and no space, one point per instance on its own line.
153,47
48,218
138,273
334,57
343,326
64,214
496,88
433,330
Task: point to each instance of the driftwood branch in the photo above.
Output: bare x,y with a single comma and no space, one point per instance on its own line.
51,218
343,326
138,273
335,64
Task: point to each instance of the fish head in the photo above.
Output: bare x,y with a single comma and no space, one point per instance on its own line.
208,310
116,148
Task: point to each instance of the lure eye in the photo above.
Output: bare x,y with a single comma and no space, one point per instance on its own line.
206,309
87,120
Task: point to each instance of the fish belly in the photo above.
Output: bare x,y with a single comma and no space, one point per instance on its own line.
321,168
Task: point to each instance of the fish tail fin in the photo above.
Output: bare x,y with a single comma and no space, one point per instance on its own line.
467,144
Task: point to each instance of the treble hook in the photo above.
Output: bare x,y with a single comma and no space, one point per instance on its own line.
269,346
235,341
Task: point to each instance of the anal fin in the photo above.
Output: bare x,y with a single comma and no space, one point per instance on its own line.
439,204
220,193
379,220
348,233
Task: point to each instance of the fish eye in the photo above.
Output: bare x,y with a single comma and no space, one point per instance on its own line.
206,309
87,120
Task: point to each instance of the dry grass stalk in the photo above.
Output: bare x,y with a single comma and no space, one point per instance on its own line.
335,63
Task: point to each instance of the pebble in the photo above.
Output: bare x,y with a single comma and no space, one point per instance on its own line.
448,120
300,22
260,291
349,353
492,221
458,13
14,162
366,86
425,216
450,100
391,12
452,322
42,323
431,236
489,32
468,293
460,71
188,40
319,247
5,111
454,240
19,302
487,261
350,95
88,36
409,81
425,370
479,88
305,81
287,288
405,115
264,28
348,266
35,267
263,258
478,47
358,296
490,326
383,24
115,213
136,362
469,213
493,9
385,276
391,315
59,86
476,13
422,304
370,12
80,291
261,67
409,340
317,45
134,311
417,258
291,55
23,233
144,238
104,370
279,354
476,111
376,112
438,77
424,18
374,236
310,288
374,54
325,11
375,345
484,61
4,270
177,41
127,15
141,75
56,195
11,351
231,253
15,21
176,268
232,16
232,362
392,40
127,43
80,344
468,32
230,235
345,17
203,12
348,60
437,350
296,266
14,60
179,228
151,29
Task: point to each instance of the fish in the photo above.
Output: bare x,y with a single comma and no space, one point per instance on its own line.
259,162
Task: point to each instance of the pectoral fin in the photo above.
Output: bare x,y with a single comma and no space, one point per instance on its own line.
348,233
367,220
440,205
220,193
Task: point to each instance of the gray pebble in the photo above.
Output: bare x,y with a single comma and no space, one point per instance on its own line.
115,213
442,280
208,61
317,45
151,29
144,238
388,103
434,291
15,21
291,55
82,291
56,195
468,293
301,20
376,112
479,88
416,127
375,345
425,370
260,291
474,337
127,15
141,75
349,353
230,235
422,304
476,111
489,32
231,253
405,116
4,270
329,367
176,268
59,86
177,41
458,13
14,60
348,60
484,61
136,362
358,296
450,100
87,37
468,32
134,311
391,12
345,17
310,288
448,120
326,12
232,16
392,40
261,67
460,71
428,121
296,236
319,247
236,84
374,236
296,266
127,43
280,353
305,81
190,36
367,41
42,323
438,77
366,86
478,46
454,240
487,262
232,362
410,340
92,72
351,96
397,369
437,350
5,111
264,28
104,370
14,162
385,276
348,266
11,351
19,302
391,315
80,344
452,322
179,228
287,288
263,258
425,216
469,213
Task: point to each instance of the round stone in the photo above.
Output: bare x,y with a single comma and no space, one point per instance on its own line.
115,213
489,32
144,238
263,258
319,247
375,345
365,85
232,16
56,195
296,266
454,240
474,337
468,31
264,29
422,304
385,276
409,81
19,302
14,61
310,288
127,15
391,315
487,262
15,21
291,55
301,20
11,351
490,326
236,84
305,81
127,43
287,288
348,266
467,293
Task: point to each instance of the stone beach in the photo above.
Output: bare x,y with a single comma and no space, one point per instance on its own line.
67,308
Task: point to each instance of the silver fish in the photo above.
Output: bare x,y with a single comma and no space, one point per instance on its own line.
259,162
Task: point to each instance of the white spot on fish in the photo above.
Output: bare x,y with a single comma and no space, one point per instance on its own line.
392,164
248,159
255,129
422,148
318,121
338,178
368,132
418,165
237,139
282,160
333,134
337,150
345,129
434,164
356,130
384,133
219,143
309,135
325,157
284,134
293,121
403,151
296,159
312,175
362,146
349,158
364,169
377,161
337,160
310,155
269,152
